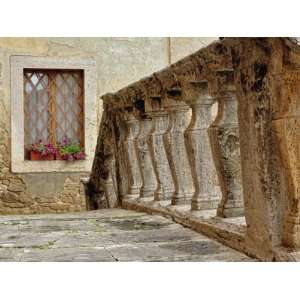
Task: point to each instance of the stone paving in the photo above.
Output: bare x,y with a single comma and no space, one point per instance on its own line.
106,236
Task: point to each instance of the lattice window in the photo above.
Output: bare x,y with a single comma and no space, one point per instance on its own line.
53,106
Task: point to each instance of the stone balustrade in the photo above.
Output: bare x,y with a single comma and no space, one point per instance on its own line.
168,154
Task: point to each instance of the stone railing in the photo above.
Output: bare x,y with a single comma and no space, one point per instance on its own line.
217,133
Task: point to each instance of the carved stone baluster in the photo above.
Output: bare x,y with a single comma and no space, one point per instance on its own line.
165,187
145,161
123,161
110,186
176,151
224,134
207,191
135,179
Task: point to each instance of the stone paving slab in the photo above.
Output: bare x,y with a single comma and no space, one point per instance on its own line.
106,236
173,234
169,251
86,254
93,214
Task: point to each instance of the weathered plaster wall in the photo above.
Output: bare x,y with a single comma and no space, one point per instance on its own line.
120,61
183,46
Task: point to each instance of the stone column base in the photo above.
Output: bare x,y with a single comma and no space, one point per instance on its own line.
134,190
181,199
132,195
163,195
204,203
232,209
291,236
146,193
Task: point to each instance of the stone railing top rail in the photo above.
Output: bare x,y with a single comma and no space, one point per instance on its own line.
202,65
195,67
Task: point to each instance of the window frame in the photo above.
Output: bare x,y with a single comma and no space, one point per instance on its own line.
52,129
18,64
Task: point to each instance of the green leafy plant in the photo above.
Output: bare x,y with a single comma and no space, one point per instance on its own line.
71,150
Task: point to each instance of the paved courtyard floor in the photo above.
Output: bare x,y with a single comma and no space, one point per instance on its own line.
106,235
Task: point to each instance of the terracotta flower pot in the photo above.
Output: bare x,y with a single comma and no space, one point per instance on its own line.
58,156
34,155
47,157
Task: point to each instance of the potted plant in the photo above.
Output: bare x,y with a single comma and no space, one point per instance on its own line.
41,151
70,150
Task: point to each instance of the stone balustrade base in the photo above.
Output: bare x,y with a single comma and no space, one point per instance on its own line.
200,204
230,212
181,199
163,195
230,231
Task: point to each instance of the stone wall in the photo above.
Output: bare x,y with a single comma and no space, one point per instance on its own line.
119,62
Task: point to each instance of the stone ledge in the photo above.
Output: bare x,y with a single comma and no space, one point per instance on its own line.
229,231
54,166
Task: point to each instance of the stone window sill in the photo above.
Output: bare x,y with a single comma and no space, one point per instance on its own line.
44,166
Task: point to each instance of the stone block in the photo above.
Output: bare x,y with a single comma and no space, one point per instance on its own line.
10,197
3,187
16,187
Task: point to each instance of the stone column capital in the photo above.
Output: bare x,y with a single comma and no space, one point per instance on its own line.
224,83
172,104
196,93
129,117
154,106
173,100
158,113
